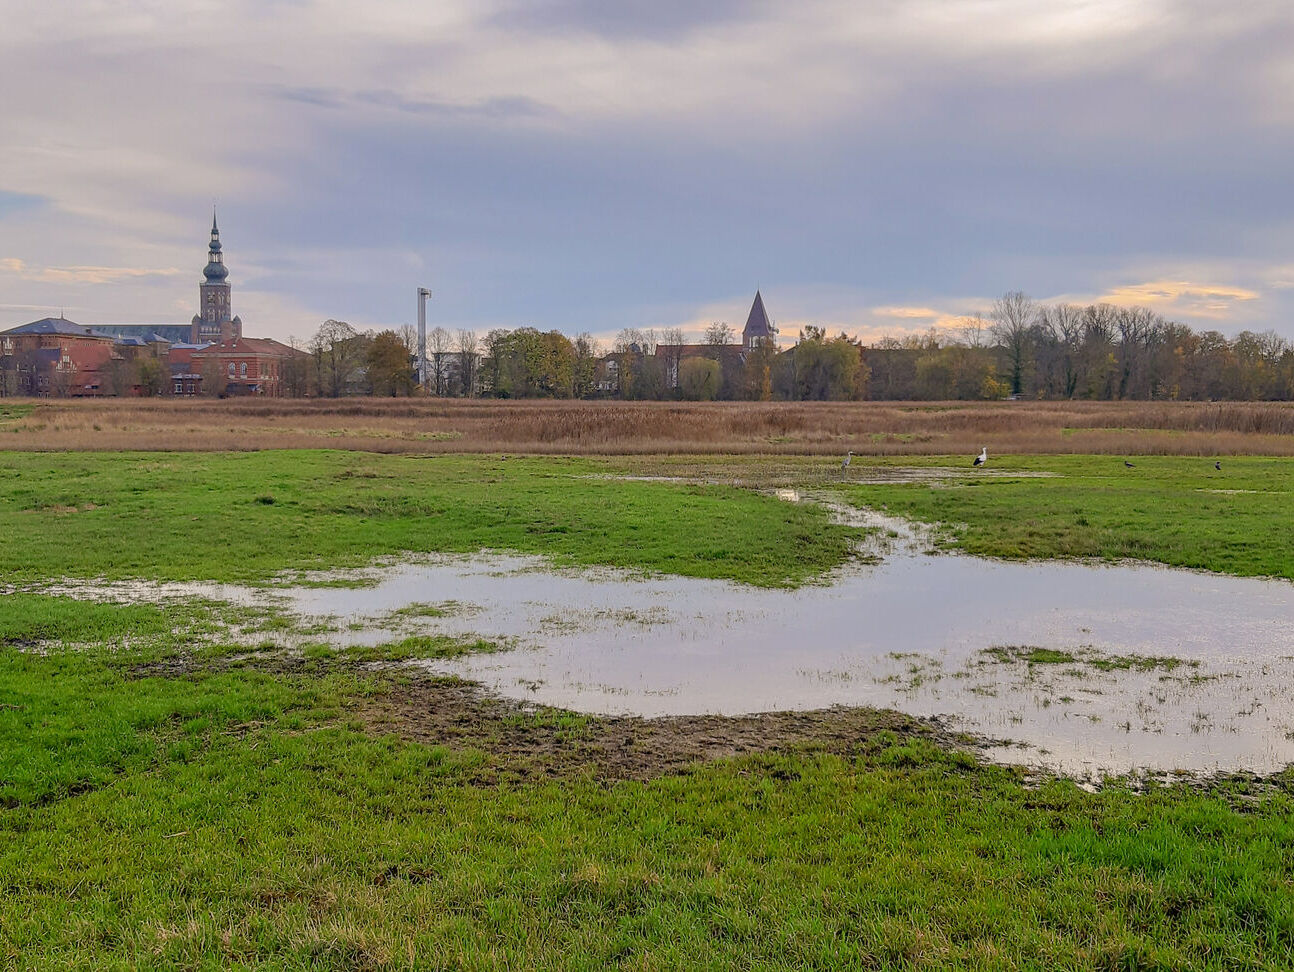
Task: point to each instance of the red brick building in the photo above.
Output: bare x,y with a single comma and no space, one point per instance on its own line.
55,356
245,366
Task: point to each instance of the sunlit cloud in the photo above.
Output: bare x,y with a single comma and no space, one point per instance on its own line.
81,275
1183,298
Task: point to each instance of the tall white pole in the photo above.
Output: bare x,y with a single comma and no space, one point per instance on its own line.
423,294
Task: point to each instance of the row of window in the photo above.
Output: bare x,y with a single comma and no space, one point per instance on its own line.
241,371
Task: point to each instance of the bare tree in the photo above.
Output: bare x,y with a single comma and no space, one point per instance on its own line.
338,351
1064,322
1014,314
973,327
467,358
439,347
672,340
720,333
294,373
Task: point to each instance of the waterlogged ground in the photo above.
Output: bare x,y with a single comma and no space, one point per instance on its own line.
1072,667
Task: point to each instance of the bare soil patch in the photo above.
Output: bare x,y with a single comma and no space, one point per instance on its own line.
528,743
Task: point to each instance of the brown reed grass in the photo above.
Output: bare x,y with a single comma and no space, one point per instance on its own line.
423,426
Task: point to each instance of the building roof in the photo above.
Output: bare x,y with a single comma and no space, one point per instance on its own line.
56,325
757,323
246,345
688,350
148,332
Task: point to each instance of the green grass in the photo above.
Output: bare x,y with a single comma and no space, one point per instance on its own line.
230,818
11,410
198,516
1033,655
423,647
165,805
1166,509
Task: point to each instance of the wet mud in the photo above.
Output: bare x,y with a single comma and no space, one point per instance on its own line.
530,743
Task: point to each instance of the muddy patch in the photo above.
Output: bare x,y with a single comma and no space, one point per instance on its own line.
533,743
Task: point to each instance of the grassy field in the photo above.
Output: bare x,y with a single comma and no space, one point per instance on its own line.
247,516
1168,509
169,801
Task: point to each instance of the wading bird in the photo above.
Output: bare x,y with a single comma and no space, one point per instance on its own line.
844,463
982,457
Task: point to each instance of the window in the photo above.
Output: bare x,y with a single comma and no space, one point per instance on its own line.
243,369
179,388
231,369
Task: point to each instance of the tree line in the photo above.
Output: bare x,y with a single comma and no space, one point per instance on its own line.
1022,348
1095,351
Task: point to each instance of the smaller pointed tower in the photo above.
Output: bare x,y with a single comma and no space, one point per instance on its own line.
759,331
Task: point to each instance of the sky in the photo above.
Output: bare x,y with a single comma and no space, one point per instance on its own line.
872,166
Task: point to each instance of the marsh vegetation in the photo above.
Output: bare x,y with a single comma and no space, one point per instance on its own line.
610,428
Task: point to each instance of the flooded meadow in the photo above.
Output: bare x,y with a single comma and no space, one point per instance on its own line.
1072,667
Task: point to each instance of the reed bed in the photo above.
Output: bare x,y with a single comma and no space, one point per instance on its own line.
420,426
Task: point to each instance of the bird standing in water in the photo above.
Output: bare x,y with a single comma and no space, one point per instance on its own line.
982,457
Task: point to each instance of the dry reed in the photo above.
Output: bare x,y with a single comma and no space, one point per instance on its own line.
608,428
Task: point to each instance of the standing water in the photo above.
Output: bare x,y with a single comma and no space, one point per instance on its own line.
1077,668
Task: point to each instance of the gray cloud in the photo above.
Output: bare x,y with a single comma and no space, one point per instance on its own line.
652,20
584,165
500,108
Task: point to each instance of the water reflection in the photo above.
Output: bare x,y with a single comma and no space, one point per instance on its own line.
1150,668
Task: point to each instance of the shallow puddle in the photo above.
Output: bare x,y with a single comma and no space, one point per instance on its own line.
1146,668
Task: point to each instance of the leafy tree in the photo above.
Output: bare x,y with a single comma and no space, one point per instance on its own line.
586,363
339,353
390,366
822,369
698,379
151,376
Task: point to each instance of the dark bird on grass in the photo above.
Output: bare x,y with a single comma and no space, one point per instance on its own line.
1218,465
1130,465
982,457
844,463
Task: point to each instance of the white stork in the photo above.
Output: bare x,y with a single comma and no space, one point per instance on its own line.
982,457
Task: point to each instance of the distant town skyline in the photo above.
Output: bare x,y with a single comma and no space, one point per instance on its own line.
876,168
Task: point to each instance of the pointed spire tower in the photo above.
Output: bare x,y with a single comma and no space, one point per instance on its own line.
759,330
213,322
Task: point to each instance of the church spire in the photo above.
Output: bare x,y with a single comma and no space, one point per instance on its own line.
215,271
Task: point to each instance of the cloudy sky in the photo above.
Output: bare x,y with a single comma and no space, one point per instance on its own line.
871,165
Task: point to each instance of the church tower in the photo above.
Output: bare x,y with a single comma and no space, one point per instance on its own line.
759,330
213,322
